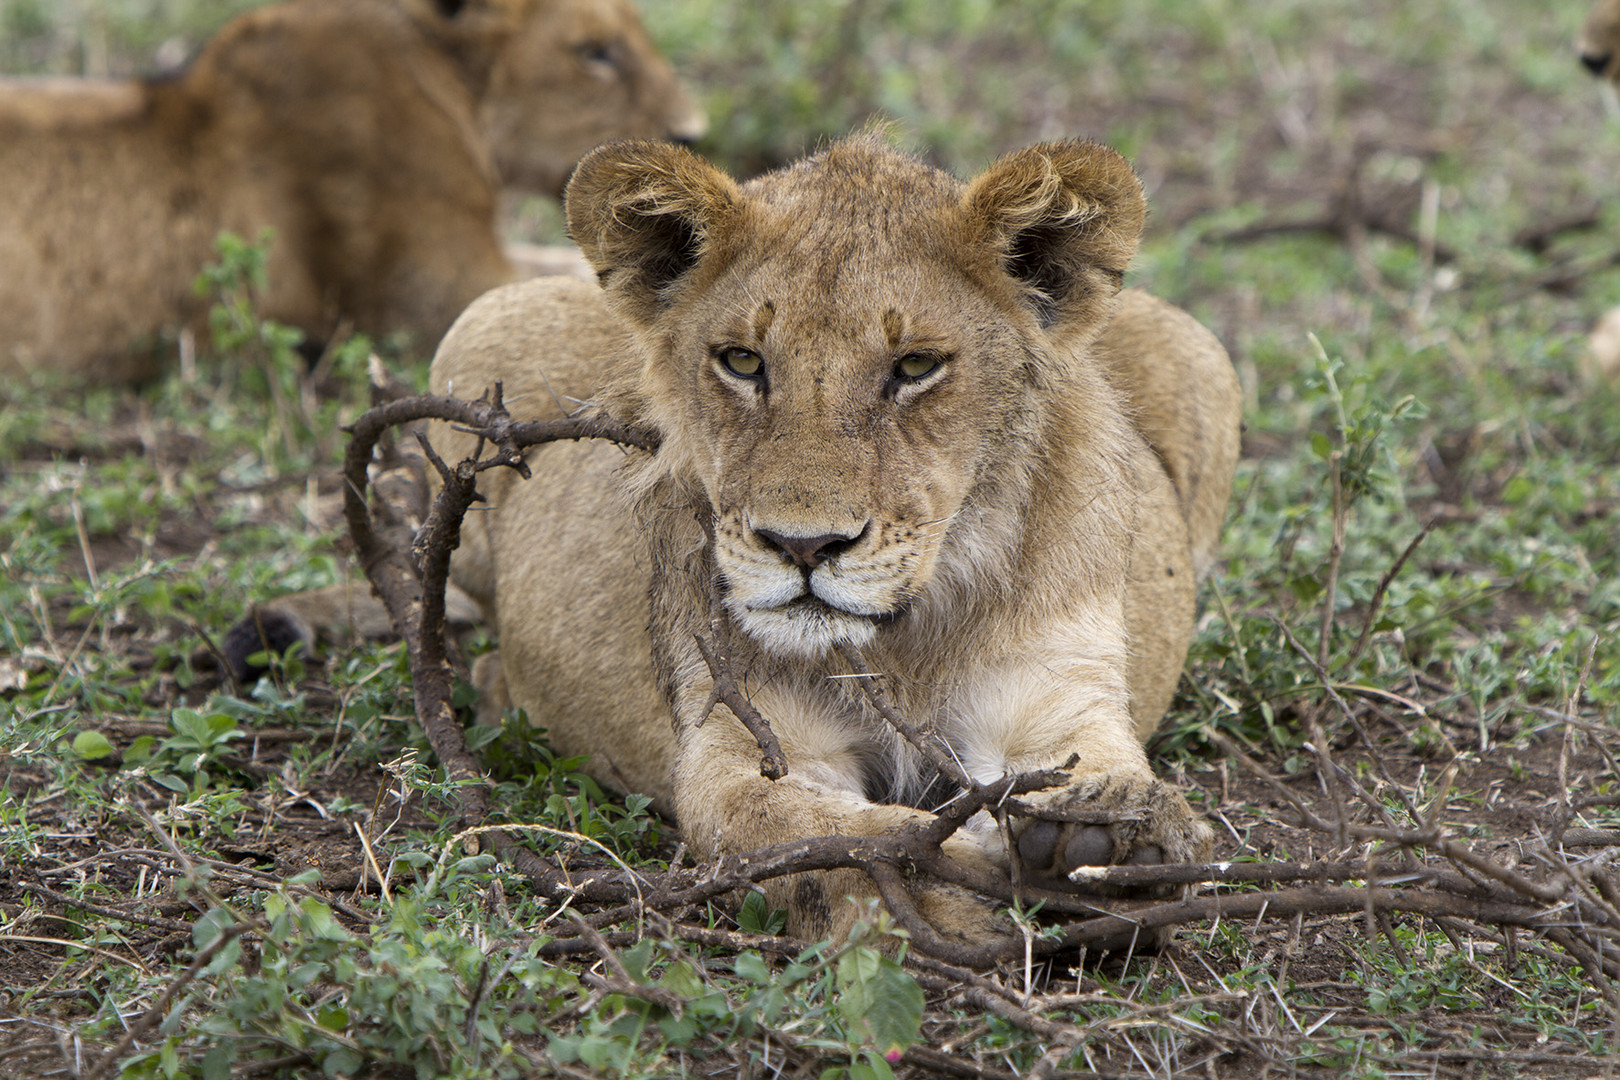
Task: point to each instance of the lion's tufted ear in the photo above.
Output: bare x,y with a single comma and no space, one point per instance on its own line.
471,32
644,213
463,16
1065,218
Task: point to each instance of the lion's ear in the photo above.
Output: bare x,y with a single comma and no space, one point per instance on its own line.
1064,218
644,213
471,32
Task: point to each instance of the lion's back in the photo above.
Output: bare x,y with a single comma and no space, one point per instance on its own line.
544,338
98,231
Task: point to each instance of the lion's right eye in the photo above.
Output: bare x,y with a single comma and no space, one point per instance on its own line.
598,52
742,363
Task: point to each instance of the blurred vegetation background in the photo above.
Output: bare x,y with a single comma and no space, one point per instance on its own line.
1401,219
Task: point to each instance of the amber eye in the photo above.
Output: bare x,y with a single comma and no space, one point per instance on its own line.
742,363
914,366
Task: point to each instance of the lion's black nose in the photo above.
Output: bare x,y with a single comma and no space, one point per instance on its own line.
1596,63
811,551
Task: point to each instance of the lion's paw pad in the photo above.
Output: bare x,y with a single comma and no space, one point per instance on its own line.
1148,855
1155,826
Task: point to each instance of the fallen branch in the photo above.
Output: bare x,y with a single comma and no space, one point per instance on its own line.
1471,890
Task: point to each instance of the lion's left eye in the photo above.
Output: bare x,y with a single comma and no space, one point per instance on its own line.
742,363
914,366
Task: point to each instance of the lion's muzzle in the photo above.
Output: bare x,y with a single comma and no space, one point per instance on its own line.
806,592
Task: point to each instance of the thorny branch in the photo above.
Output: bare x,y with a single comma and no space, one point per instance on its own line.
1573,910
716,651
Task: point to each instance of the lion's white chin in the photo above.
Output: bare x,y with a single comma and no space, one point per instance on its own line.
806,628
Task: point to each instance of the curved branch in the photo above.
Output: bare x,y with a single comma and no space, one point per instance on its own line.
412,586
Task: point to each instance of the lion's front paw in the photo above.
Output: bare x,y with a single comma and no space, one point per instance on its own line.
1148,821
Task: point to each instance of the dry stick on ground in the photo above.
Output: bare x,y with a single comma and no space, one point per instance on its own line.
1484,893
1378,593
155,1013
171,925
926,740
1560,910
1349,214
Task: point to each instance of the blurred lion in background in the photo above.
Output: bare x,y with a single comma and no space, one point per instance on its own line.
371,136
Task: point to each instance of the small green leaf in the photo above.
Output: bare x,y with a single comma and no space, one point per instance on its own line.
318,917
481,735
879,1000
474,864
637,958
681,978
206,930
1518,489
222,728
91,745
304,974
752,966
216,1064
1305,588
342,1062
190,723
756,917
169,1059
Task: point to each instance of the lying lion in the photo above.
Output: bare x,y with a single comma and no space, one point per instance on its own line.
920,418
371,135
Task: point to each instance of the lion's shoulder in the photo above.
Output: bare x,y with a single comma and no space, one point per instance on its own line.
1184,397
549,341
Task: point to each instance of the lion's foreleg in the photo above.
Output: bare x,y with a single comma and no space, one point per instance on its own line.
1043,710
726,807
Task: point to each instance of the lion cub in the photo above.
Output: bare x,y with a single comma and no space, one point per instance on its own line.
920,418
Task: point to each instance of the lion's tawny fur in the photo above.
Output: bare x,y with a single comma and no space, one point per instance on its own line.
1599,49
371,135
1599,42
1016,532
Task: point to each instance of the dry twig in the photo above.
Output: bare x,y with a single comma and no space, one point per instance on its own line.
1468,889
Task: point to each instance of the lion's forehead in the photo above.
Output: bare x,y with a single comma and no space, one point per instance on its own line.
862,176
593,21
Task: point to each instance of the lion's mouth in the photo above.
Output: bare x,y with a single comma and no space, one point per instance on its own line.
809,603
803,614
